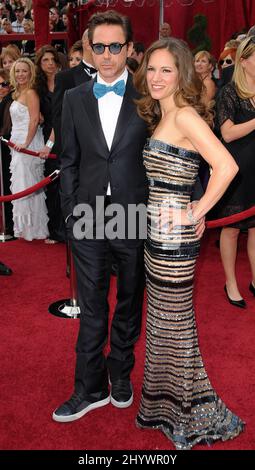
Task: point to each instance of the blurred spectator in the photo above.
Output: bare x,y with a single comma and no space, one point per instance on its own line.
54,17
2,15
57,25
8,56
27,5
5,129
75,54
165,31
132,64
7,26
47,65
138,51
17,25
232,43
227,65
227,58
10,8
28,45
204,65
65,19
4,83
236,116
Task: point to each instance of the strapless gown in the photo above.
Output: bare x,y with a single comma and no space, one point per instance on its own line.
177,396
29,213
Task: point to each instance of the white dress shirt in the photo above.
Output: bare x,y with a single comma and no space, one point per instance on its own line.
109,108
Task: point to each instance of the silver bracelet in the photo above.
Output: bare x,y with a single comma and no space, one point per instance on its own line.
49,144
191,217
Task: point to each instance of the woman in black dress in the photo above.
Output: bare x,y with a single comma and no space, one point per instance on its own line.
5,130
47,65
236,116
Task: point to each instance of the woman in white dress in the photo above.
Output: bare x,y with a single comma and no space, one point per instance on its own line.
29,213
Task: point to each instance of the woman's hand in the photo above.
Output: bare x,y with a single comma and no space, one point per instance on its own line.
169,218
172,217
200,226
20,147
44,153
41,119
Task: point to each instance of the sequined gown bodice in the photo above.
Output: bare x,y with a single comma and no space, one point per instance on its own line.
177,397
172,173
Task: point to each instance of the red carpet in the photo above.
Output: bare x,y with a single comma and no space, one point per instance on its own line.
37,355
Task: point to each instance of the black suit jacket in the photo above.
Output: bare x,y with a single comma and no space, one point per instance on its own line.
87,165
65,80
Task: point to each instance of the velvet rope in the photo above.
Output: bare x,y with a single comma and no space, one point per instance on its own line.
53,156
210,224
32,189
231,219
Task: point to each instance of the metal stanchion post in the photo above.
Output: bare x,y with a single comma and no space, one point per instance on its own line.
68,308
3,236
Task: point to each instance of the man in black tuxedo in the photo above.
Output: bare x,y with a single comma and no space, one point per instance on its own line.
102,141
67,79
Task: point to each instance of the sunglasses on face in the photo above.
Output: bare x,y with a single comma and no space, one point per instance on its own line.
4,84
114,48
226,61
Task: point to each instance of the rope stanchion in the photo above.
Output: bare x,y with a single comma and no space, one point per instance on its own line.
52,156
32,189
68,308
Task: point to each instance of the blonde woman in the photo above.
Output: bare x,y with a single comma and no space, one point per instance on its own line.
204,65
29,214
236,116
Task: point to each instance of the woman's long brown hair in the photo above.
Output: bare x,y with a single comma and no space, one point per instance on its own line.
190,87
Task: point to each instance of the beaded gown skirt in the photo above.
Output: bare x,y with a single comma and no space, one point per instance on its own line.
177,397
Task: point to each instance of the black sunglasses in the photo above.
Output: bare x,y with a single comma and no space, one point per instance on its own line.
4,84
227,61
114,48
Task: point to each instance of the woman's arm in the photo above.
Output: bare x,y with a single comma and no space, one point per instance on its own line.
210,90
224,168
33,104
231,131
48,146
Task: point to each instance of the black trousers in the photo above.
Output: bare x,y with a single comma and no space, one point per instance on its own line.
92,259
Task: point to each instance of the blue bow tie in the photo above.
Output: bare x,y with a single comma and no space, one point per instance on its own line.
99,89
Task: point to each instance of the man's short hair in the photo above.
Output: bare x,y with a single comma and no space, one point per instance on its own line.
19,9
110,17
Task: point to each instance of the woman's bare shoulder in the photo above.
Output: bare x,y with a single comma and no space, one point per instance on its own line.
186,112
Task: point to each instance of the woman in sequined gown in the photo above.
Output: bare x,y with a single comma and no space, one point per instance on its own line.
177,397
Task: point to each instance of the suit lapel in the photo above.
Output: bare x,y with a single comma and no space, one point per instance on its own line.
91,108
126,112
80,74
